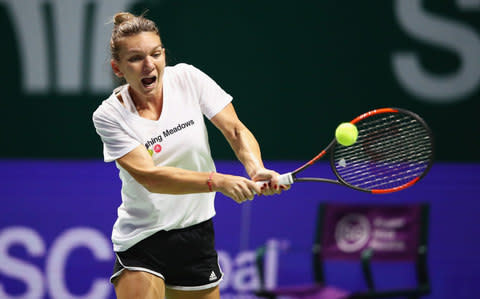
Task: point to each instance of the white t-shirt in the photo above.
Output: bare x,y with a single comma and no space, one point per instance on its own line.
178,138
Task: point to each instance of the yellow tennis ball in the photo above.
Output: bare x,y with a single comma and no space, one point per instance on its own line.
346,134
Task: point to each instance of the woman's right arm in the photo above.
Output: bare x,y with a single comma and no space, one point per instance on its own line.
173,180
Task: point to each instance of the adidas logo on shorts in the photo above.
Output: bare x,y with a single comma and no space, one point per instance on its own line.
212,276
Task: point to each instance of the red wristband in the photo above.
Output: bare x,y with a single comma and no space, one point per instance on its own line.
209,182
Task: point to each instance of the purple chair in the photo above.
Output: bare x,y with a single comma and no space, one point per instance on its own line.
367,235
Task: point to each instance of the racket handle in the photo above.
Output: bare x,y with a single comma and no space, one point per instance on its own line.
283,179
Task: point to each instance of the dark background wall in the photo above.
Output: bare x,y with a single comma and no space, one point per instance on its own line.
295,69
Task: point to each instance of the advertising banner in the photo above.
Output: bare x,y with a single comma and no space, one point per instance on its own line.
56,219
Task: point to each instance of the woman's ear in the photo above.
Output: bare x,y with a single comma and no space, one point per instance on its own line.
115,68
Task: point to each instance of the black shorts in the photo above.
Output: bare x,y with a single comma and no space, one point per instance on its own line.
185,259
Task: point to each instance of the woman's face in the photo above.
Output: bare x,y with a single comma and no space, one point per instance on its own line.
141,62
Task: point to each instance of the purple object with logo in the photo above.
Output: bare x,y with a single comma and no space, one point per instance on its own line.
392,231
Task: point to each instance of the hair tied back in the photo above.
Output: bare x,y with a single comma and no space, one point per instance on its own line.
121,17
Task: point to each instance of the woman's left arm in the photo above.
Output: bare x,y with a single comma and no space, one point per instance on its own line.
246,148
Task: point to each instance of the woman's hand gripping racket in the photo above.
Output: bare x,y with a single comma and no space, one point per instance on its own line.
393,151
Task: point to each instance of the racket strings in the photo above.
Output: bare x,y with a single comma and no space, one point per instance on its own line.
389,143
377,126
412,146
392,182
391,150
373,134
386,175
394,176
357,169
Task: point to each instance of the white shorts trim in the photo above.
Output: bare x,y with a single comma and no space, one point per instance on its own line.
202,287
116,274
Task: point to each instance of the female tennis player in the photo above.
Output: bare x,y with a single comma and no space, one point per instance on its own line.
153,127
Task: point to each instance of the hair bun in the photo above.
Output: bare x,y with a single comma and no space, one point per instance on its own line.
127,24
121,17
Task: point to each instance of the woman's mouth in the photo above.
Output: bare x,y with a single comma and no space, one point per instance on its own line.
149,81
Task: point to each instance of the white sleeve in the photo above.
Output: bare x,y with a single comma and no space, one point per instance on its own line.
212,97
116,141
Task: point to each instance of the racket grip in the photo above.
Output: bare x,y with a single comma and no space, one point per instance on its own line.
283,179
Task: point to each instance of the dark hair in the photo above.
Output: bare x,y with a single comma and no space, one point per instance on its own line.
127,24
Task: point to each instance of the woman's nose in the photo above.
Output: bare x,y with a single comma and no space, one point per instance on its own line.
148,65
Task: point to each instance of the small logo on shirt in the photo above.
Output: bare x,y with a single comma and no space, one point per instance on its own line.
212,276
157,148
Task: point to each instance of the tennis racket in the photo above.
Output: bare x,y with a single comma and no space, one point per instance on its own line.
393,151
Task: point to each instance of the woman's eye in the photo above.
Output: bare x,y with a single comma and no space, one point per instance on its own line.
135,58
156,55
